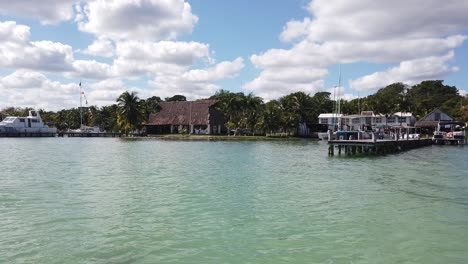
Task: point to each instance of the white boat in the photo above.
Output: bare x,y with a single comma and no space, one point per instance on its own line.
450,132
29,124
85,129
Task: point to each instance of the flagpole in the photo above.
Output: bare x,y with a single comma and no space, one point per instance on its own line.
81,114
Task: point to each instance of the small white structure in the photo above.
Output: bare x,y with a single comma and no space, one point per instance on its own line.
330,119
30,124
85,129
366,120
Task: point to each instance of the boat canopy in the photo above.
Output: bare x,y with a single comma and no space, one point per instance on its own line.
444,123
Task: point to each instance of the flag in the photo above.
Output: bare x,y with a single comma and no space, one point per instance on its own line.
84,96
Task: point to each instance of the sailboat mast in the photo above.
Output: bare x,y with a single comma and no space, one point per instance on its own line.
338,102
81,114
338,98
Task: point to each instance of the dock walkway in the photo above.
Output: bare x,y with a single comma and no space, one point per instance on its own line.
88,134
369,146
26,134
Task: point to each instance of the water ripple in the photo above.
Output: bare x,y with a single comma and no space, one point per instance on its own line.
151,201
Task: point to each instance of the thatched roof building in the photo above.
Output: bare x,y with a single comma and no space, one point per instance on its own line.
194,117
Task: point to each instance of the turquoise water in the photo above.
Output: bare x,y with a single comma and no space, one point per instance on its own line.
108,200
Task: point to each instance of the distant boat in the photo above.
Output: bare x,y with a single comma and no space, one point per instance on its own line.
29,124
85,129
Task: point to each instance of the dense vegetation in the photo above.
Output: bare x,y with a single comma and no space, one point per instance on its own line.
247,111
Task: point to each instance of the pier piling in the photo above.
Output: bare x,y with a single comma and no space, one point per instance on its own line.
376,147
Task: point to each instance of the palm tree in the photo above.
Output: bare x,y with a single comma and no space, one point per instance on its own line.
130,112
272,116
252,110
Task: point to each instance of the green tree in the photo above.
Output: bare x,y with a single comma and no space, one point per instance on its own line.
272,116
151,105
252,111
232,105
106,118
175,98
427,95
130,112
299,104
321,103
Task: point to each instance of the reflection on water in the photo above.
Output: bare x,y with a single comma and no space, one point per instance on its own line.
108,200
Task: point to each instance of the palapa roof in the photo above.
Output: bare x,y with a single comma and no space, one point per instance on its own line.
185,113
426,123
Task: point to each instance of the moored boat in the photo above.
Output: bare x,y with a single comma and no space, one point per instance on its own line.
450,132
31,124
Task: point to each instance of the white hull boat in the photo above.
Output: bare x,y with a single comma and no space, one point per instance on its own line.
29,124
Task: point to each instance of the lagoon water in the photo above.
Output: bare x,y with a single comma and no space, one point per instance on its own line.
110,200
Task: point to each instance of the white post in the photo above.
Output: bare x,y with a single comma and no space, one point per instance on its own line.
209,129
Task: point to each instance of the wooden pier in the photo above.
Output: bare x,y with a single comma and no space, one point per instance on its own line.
26,134
59,134
449,141
379,147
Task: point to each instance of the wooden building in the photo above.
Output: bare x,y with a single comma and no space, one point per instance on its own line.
193,117
429,123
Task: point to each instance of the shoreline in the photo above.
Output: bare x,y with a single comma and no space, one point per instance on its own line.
219,138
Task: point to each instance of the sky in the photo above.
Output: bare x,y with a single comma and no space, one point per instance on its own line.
197,47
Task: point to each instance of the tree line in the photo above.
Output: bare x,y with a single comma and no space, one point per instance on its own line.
247,111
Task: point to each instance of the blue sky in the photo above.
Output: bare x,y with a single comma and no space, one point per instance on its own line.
196,47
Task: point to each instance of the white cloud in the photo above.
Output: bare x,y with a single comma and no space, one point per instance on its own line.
101,47
90,69
223,70
137,19
273,89
105,92
17,51
47,11
347,32
409,72
135,58
23,79
196,83
34,89
295,29
364,20
340,92
27,88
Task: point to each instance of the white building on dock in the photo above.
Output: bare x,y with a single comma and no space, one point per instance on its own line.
366,120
